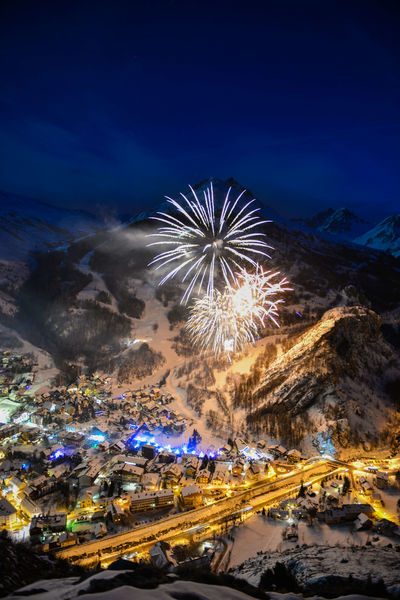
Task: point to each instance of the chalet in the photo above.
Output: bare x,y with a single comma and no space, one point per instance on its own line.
166,457
254,471
17,485
151,481
220,475
86,496
345,514
203,476
29,507
192,496
127,472
148,451
238,467
89,473
191,466
173,473
8,514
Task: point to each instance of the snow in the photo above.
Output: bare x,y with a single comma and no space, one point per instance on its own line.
63,589
260,534
384,236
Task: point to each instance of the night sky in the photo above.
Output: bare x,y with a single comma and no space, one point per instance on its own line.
118,103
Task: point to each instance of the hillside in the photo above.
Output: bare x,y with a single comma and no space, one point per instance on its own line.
94,303
337,373
315,570
28,225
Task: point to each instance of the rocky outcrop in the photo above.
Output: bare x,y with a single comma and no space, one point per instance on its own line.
339,361
326,570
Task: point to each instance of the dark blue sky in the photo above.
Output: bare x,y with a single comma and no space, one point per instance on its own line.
121,102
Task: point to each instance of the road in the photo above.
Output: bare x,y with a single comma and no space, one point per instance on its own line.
182,525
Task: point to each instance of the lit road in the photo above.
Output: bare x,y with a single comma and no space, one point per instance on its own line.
183,525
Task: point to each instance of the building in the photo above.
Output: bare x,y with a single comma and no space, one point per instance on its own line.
127,472
143,501
254,472
8,514
345,514
203,476
161,556
192,496
238,467
48,524
362,522
191,467
30,508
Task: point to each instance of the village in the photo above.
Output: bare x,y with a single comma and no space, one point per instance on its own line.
78,463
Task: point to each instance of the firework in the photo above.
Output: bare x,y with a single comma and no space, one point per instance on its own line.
257,294
226,322
204,242
215,325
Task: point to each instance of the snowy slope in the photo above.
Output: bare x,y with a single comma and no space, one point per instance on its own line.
90,589
318,569
334,368
27,224
385,236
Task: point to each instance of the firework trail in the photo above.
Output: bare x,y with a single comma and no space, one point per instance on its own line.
204,242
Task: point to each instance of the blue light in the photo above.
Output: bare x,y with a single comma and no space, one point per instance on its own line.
56,454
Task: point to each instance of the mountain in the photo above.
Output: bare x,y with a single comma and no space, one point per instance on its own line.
385,236
220,188
339,222
28,225
333,372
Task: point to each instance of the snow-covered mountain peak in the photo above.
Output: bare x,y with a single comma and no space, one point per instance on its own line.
384,236
338,221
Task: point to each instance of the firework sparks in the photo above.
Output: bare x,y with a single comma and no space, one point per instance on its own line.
215,325
258,294
225,323
205,242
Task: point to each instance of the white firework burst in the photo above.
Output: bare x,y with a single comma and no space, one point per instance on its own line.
204,242
225,322
215,325
258,294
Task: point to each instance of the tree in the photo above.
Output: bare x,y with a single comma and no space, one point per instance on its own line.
302,491
346,485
